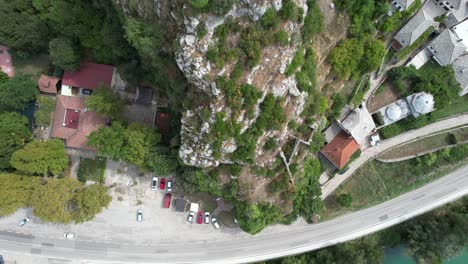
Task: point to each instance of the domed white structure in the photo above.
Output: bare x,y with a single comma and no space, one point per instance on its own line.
423,103
393,112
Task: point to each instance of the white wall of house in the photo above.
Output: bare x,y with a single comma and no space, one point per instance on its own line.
66,90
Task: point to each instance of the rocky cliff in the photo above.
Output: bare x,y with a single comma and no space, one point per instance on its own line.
267,76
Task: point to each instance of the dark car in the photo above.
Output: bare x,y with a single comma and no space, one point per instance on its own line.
1,260
200,218
162,184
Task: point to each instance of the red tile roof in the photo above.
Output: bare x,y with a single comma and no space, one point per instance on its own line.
340,149
6,64
86,122
48,84
163,123
89,76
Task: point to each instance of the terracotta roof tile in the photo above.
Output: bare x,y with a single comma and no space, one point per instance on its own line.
48,84
340,149
87,122
89,76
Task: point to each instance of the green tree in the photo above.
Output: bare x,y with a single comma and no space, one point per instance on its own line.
105,102
53,201
146,39
346,57
41,158
109,140
63,54
14,134
269,19
253,218
221,7
15,192
21,28
374,51
161,162
3,77
89,202
199,3
139,140
313,22
17,92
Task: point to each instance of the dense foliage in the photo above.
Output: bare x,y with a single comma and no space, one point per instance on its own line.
15,192
16,93
41,158
105,102
14,134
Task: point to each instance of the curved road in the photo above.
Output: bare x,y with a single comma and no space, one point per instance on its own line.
294,239
371,152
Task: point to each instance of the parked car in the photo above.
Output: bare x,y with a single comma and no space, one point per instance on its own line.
207,217
139,215
23,222
169,186
167,200
190,216
70,236
200,218
154,183
214,221
1,260
162,184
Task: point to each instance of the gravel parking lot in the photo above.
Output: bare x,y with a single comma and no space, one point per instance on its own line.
118,223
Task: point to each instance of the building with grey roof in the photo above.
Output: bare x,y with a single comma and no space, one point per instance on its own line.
358,124
414,105
446,47
460,68
457,10
418,24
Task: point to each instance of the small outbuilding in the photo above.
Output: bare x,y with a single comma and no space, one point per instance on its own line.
180,204
48,84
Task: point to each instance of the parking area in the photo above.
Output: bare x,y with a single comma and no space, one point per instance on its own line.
131,190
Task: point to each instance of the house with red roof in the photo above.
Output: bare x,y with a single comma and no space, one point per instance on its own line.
88,78
73,123
340,149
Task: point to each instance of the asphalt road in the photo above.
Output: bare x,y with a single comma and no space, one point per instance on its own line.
294,239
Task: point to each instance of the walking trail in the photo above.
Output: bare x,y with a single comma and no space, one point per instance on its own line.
372,152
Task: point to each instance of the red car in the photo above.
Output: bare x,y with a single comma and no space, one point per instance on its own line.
200,218
162,184
167,200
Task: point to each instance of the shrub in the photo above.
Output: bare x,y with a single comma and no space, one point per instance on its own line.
344,200
269,19
221,7
288,10
296,62
313,22
199,3
235,169
270,144
201,30
282,38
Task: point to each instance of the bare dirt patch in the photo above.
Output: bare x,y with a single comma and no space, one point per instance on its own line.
379,100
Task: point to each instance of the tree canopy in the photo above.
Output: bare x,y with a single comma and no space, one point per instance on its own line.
89,202
64,54
105,102
132,144
15,192
14,134
41,158
17,92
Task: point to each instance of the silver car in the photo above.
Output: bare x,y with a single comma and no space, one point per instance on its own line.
23,222
69,236
190,216
215,223
139,215
169,186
